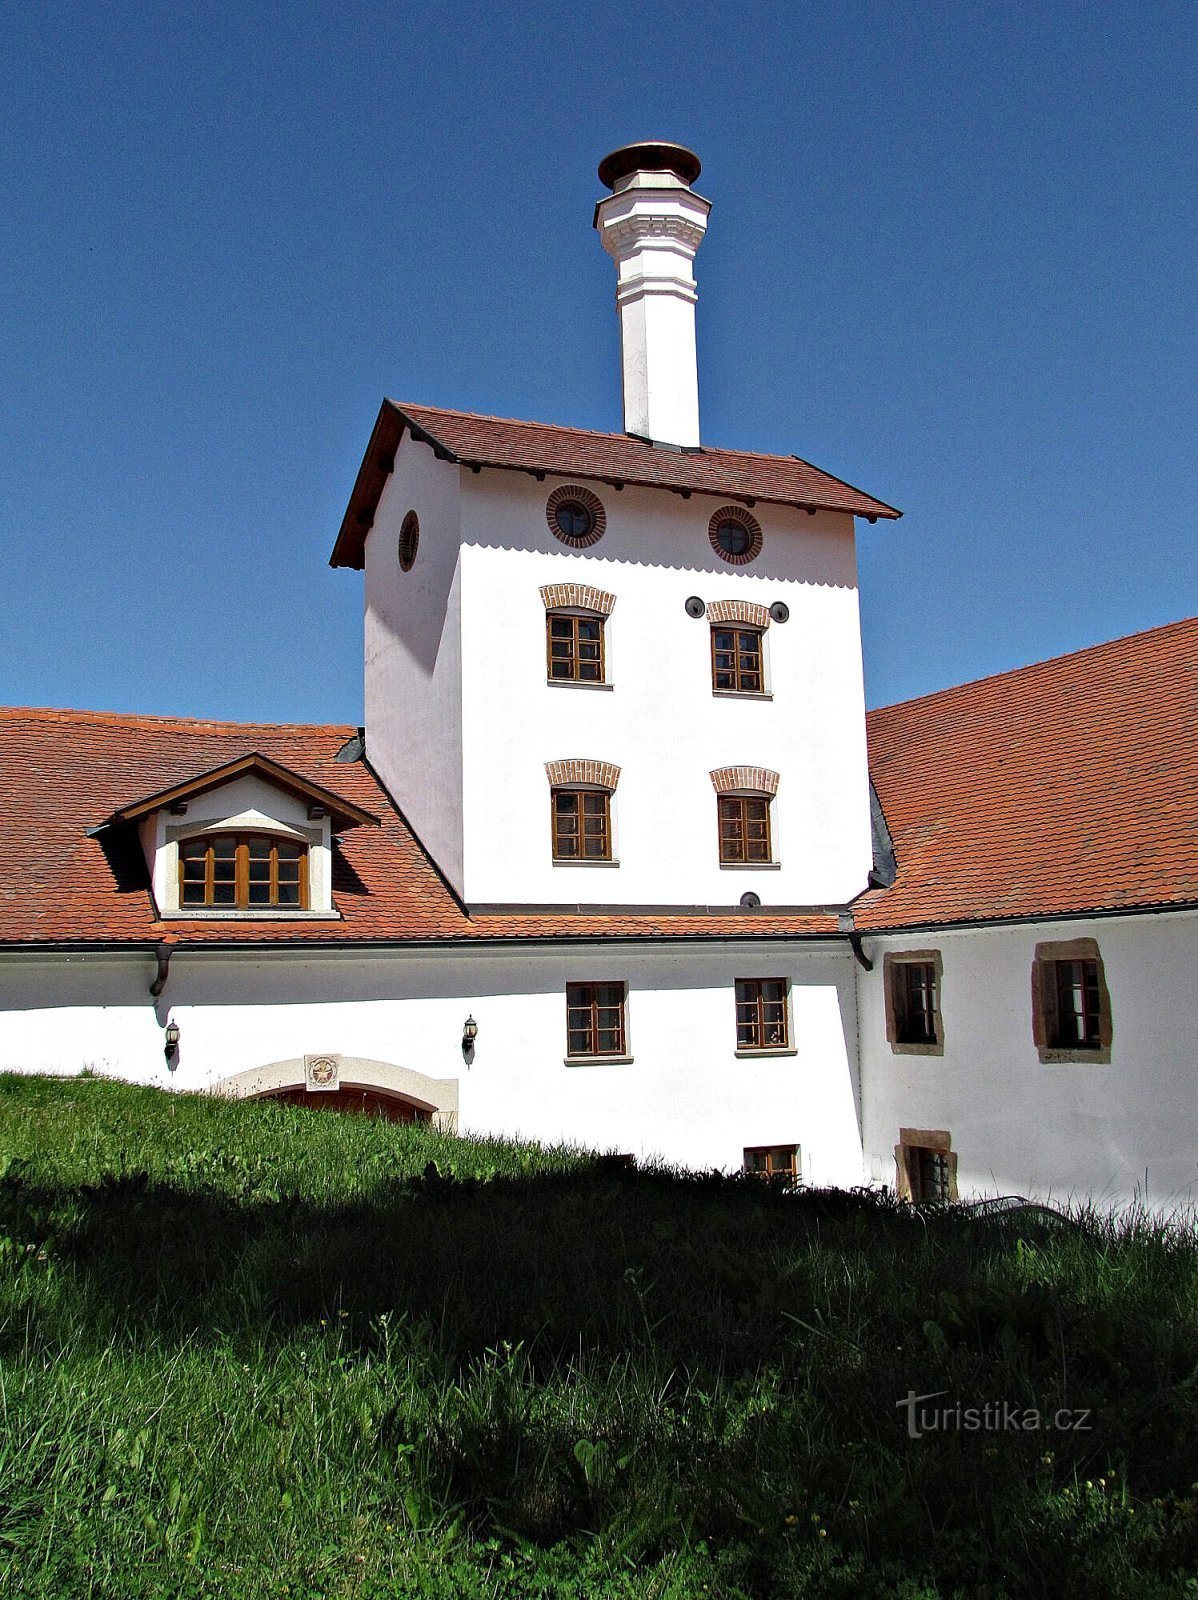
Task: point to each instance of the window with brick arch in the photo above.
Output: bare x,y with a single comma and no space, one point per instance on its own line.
581,824
574,647
242,872
744,829
737,660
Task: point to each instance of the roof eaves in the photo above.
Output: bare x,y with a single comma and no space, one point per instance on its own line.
254,763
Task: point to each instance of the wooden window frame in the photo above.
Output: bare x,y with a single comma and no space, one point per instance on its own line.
893,979
753,996
740,802
787,1175
584,997
1047,1034
582,793
574,660
241,875
916,1147
736,687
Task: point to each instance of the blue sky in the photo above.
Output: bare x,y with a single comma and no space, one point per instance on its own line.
951,258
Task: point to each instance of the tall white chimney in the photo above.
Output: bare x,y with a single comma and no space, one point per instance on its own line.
651,225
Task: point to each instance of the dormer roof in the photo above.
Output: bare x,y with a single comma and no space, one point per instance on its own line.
545,449
342,812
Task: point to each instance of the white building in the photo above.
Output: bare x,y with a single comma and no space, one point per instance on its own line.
611,813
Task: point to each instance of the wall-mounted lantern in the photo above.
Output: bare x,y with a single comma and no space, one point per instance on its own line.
171,1050
469,1035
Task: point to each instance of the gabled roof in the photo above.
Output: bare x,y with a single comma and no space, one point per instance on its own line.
63,882
1067,786
543,449
342,812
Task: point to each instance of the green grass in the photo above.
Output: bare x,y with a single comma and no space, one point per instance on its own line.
247,1350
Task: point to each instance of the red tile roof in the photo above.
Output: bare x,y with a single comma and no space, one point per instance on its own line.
540,447
1067,786
63,773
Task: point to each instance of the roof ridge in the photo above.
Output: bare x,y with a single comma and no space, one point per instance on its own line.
133,719
1036,666
628,438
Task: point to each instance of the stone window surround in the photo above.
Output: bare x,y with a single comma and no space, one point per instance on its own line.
1047,954
897,958
906,1169
314,838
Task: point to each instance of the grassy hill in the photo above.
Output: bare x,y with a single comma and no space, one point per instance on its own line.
253,1351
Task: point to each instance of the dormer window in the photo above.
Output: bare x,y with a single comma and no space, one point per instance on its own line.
249,839
242,872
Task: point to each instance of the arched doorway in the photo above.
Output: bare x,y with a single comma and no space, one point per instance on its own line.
353,1099
350,1084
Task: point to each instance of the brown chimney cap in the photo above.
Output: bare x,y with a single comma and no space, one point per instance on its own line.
649,156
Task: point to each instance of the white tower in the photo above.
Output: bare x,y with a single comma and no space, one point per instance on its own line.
651,225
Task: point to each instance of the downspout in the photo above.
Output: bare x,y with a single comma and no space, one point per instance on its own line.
162,954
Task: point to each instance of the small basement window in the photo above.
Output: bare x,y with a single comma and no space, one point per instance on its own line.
926,1165
777,1163
242,872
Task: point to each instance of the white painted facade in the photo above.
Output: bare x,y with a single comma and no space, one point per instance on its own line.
461,719
1115,1132
461,722
685,1096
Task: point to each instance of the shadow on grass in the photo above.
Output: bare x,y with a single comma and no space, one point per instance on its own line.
643,1352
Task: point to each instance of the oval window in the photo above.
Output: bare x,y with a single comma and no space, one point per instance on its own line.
409,541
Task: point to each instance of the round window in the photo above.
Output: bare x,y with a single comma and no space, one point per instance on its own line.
733,538
409,541
575,516
735,535
573,519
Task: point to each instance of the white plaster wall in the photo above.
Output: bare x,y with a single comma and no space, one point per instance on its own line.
413,658
685,1097
659,721
246,803
1114,1132
65,1013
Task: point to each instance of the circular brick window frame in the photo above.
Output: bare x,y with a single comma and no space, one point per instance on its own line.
409,541
745,519
584,497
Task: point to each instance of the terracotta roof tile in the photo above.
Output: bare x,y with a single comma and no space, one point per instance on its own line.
576,453
1067,786
62,773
